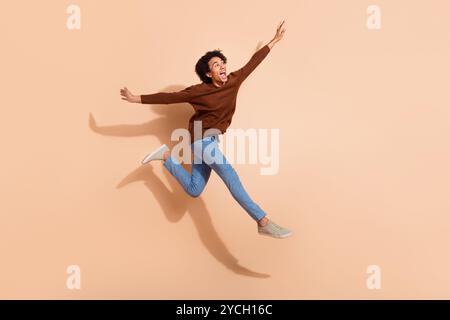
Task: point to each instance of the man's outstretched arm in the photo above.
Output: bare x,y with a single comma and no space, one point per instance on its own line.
278,35
259,55
157,98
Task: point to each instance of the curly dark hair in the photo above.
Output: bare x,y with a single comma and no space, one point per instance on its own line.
201,68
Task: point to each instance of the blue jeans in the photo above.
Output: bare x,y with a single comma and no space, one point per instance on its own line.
195,183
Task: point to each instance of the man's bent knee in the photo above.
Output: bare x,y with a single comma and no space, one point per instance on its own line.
194,193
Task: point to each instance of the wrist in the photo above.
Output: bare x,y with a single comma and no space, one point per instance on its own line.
136,99
271,43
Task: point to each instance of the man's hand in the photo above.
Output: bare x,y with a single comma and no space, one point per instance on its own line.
278,35
128,96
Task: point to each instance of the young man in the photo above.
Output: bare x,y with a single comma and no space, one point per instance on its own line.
214,102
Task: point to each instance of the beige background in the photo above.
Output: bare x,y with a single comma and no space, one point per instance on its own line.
364,127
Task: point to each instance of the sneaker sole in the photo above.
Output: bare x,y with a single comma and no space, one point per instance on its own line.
276,237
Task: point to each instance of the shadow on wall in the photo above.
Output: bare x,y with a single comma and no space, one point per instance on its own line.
177,202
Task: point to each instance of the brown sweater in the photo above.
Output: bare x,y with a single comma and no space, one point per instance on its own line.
214,106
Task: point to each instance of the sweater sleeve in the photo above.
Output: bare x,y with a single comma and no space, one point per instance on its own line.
254,61
184,95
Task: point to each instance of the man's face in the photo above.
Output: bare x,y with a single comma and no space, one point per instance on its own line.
218,70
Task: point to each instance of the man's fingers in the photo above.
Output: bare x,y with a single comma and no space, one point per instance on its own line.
279,27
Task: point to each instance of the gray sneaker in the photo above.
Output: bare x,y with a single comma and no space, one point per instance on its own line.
273,230
156,155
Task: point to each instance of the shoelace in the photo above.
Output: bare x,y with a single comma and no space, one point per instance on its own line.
277,226
274,227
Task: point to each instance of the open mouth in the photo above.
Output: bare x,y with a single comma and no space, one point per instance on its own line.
223,74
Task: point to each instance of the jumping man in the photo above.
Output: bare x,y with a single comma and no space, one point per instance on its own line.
214,102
